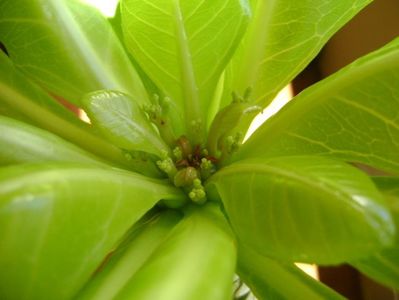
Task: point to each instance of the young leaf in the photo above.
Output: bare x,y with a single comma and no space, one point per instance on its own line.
122,122
304,209
196,261
58,222
352,115
270,279
384,266
21,143
282,38
68,47
184,46
130,256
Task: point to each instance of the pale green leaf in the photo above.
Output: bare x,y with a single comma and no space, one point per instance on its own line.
131,255
21,143
304,209
13,82
282,38
58,222
122,122
353,115
67,47
196,261
270,279
184,46
29,103
384,266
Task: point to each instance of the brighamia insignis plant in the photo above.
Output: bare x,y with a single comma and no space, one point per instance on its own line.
159,198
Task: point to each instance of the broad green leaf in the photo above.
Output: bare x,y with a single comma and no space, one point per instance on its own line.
144,239
196,261
282,38
304,209
58,222
352,115
21,143
384,266
270,279
184,46
67,47
122,122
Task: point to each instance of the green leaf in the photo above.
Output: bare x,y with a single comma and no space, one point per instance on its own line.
130,256
304,209
281,40
58,222
22,98
122,122
13,82
67,47
21,143
352,115
196,261
384,266
270,279
184,46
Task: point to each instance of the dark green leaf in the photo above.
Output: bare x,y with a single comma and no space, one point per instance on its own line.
58,222
304,208
68,47
352,115
270,279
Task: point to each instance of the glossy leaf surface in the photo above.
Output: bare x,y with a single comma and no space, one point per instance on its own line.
384,266
282,38
68,47
122,122
196,261
58,222
270,279
21,143
130,256
184,46
304,209
353,115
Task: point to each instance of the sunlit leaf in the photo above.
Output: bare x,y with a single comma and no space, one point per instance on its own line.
304,209
67,47
352,115
184,46
282,38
